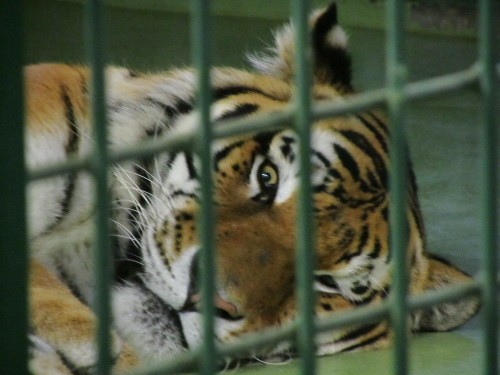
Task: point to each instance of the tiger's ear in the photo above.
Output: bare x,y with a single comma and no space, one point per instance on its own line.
331,60
449,315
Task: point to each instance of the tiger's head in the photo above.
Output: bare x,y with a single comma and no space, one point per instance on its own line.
255,197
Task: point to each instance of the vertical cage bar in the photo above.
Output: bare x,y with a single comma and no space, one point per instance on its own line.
488,188
395,71
94,38
305,221
201,39
13,246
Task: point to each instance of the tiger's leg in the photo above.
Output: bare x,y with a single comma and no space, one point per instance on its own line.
66,324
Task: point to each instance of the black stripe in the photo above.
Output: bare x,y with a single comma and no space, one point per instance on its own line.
175,320
376,250
363,144
368,188
376,133
133,74
69,113
190,166
83,83
347,161
180,107
132,252
144,182
222,154
333,172
69,190
415,211
70,148
287,149
354,334
341,194
69,366
367,299
239,111
69,281
155,313
128,266
385,214
381,124
347,236
366,342
182,193
189,161
322,158
171,158
413,178
363,239
264,139
155,132
372,180
319,188
224,92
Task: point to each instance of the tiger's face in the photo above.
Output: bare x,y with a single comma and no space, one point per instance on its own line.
255,199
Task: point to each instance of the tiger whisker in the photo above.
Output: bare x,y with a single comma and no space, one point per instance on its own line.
152,178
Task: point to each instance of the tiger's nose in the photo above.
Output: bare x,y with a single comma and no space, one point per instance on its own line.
223,308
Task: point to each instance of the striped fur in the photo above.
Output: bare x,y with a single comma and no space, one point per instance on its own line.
155,202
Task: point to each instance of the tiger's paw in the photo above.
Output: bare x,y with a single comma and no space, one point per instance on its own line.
149,325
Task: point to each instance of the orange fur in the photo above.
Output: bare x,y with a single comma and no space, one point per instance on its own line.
64,322
43,86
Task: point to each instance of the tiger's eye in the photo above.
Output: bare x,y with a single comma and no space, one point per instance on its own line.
268,175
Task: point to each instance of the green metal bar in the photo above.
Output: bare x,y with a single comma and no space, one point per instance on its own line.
305,258
397,182
442,84
94,43
13,246
489,171
201,30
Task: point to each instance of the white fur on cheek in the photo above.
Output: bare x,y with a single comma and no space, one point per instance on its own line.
171,284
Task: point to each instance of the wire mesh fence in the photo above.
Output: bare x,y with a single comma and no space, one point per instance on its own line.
395,95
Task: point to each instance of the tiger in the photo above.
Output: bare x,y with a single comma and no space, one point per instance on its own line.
155,201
